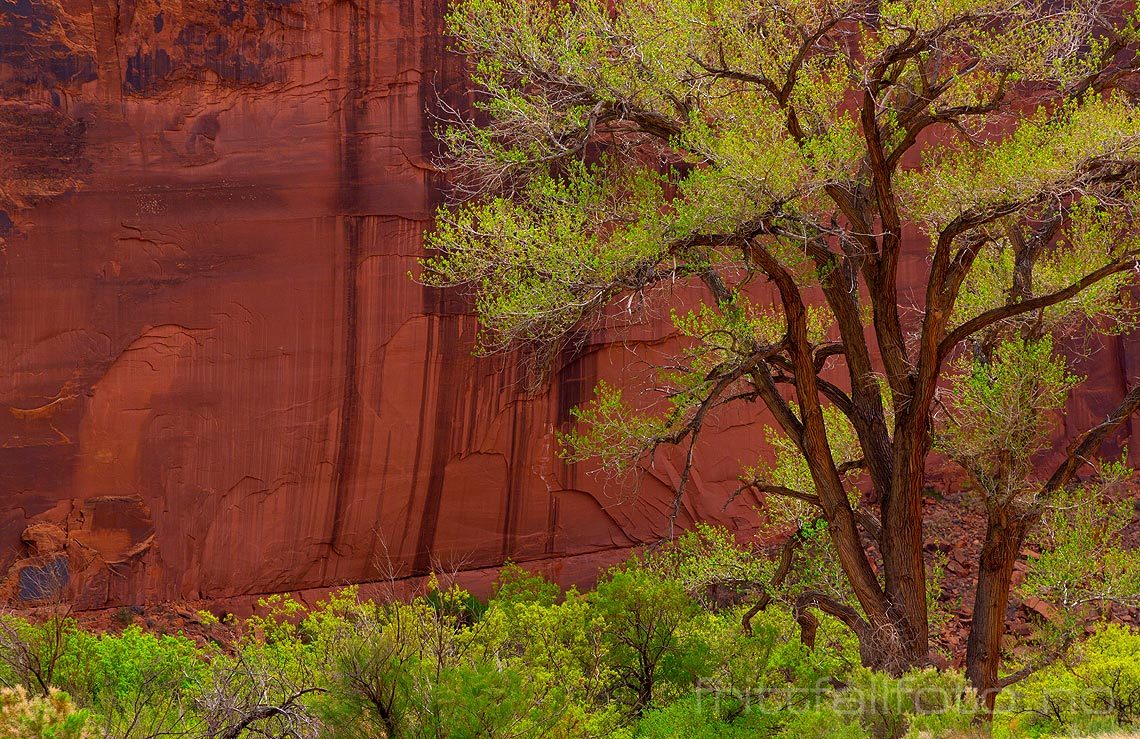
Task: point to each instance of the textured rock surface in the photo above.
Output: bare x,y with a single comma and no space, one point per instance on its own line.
216,378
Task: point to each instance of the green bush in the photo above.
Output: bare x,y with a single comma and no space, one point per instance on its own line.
1096,689
643,620
822,722
648,654
135,683
700,716
923,702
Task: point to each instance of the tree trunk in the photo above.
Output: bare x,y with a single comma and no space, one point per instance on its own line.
901,541
1005,533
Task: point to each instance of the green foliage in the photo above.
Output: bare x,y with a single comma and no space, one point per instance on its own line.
31,652
702,716
722,341
545,267
135,684
1092,236
1000,405
709,557
643,622
647,654
823,721
770,670
790,468
488,700
1001,411
1084,559
920,703
755,129
1038,157
1095,689
516,585
618,433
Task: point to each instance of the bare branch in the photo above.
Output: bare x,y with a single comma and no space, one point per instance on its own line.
1087,444
1039,664
787,552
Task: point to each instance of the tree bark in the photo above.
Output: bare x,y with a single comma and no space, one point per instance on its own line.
902,540
1005,533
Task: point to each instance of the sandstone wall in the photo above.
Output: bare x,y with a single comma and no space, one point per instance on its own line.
216,378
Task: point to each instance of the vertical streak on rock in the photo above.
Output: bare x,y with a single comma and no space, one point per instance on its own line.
447,328
348,196
577,376
516,480
514,472
445,319
1125,385
551,526
105,26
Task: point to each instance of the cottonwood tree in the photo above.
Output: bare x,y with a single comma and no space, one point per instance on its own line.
811,146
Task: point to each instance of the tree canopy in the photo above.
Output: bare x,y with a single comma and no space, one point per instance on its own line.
610,149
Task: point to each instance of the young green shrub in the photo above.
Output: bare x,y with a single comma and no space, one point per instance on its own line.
700,716
643,621
821,721
31,651
560,646
267,682
484,699
135,684
517,585
770,669
921,703
1096,689
369,656
1110,669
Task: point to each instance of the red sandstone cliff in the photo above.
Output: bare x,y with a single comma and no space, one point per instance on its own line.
216,377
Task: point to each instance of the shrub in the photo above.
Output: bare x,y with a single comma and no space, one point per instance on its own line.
822,721
136,684
692,717
47,717
1096,689
31,652
1110,669
702,716
643,656
922,702
771,669
642,618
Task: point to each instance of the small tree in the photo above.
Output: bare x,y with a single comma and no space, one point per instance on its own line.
619,148
641,616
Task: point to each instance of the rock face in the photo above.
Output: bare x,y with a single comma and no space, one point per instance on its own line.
216,377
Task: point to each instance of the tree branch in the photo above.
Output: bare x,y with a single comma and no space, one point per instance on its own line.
870,522
1026,671
994,315
809,623
786,492
787,552
1089,442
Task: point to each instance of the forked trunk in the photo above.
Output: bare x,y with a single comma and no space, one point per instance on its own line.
1005,533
